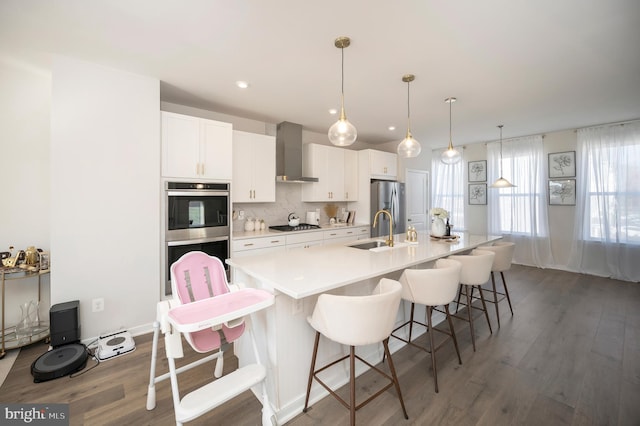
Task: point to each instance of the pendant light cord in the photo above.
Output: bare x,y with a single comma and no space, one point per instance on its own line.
450,141
500,126
408,107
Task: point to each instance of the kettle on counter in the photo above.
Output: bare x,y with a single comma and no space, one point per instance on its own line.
293,219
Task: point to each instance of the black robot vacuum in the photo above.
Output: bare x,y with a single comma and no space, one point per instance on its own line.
67,355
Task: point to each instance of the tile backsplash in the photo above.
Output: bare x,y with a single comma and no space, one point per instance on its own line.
288,200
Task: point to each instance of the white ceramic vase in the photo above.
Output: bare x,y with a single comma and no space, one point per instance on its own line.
438,227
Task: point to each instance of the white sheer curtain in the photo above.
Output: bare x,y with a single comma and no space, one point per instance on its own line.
520,214
447,187
607,226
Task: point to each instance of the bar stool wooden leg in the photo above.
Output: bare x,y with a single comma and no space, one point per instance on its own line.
495,297
352,385
484,307
453,333
470,316
432,347
413,305
311,371
385,343
506,291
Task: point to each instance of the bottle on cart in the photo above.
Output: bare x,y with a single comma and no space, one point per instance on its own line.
447,229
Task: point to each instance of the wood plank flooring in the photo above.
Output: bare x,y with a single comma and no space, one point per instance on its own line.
570,355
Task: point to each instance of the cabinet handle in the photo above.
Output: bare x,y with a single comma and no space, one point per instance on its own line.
254,194
248,244
250,194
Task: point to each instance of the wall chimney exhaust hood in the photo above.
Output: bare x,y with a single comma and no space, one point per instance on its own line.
289,154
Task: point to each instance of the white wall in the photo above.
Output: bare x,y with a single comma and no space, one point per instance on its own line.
24,172
105,194
561,218
475,215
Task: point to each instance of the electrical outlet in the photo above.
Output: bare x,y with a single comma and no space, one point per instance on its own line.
241,215
97,305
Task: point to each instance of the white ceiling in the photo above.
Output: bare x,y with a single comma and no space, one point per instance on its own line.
534,66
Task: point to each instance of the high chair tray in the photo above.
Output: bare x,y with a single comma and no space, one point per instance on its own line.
217,310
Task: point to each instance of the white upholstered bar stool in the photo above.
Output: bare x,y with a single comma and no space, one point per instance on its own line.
476,269
356,321
501,263
431,287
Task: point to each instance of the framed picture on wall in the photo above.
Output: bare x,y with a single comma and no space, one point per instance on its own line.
478,171
477,193
562,192
562,164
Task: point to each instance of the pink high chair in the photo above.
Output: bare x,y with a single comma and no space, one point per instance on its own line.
209,313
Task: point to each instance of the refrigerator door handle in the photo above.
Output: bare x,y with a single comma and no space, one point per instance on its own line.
394,205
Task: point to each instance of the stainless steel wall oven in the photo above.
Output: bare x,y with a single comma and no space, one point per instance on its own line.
197,218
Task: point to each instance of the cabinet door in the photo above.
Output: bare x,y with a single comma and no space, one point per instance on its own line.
350,175
180,145
215,149
242,183
315,158
254,168
334,172
264,169
383,165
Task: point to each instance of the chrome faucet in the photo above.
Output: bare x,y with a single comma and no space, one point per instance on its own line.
389,242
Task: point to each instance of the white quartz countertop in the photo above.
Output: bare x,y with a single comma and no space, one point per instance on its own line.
304,272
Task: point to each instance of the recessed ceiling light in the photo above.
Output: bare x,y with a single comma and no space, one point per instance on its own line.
391,128
333,111
242,84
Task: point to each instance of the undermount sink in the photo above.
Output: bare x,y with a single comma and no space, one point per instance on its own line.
377,245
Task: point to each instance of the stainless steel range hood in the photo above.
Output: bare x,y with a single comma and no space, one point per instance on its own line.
289,154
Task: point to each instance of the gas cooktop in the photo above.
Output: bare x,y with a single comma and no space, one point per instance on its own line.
300,227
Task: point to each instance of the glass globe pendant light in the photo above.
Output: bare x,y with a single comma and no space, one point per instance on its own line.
342,133
451,155
409,147
501,182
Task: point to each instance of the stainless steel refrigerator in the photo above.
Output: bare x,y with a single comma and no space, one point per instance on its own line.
389,196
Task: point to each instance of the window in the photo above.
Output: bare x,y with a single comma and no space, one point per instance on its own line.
609,165
448,189
522,209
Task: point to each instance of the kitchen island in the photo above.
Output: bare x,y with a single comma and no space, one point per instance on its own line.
297,277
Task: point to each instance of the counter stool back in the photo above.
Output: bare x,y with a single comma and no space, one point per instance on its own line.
501,263
431,287
476,269
356,321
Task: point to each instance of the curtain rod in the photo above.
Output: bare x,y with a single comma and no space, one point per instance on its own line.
618,123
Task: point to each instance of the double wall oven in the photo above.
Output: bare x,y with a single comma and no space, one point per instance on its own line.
197,219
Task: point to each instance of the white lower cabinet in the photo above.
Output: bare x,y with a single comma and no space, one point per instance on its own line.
260,245
345,235
304,240
300,239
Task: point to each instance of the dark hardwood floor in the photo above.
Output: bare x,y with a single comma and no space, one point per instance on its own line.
570,355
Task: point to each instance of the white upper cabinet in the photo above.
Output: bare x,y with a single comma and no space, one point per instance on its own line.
382,165
350,175
254,168
195,147
334,168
